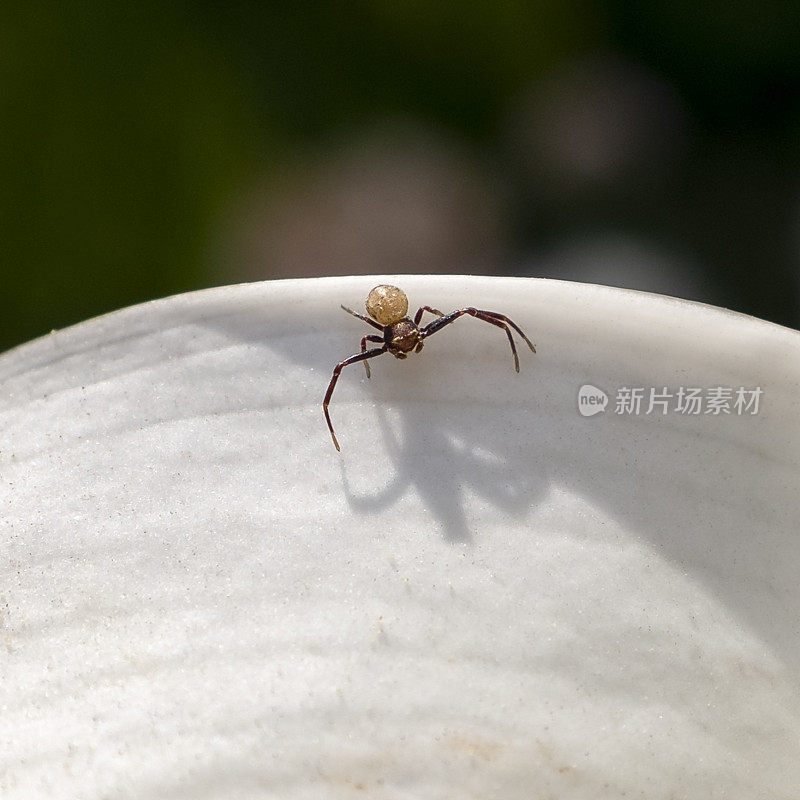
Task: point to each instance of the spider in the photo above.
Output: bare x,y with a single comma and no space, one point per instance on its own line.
387,307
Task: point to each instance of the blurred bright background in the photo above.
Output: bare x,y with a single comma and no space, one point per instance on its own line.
154,148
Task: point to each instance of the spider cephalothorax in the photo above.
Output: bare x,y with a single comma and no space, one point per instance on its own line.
387,307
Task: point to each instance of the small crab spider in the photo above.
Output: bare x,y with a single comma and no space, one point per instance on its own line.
387,307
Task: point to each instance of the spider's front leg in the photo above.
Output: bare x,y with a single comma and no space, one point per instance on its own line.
335,377
492,317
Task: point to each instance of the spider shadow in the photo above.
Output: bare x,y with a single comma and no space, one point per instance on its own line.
442,456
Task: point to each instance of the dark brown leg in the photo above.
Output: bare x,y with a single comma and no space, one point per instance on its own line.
362,317
505,327
504,318
335,377
499,320
418,315
364,341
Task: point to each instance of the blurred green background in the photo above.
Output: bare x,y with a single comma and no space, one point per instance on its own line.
155,148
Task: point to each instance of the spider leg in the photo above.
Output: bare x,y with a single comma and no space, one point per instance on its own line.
335,377
362,317
499,320
364,347
505,327
504,318
418,315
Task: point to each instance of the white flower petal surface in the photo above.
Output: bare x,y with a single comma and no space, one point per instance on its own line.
484,595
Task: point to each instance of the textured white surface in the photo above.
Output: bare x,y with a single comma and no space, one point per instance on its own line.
485,595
